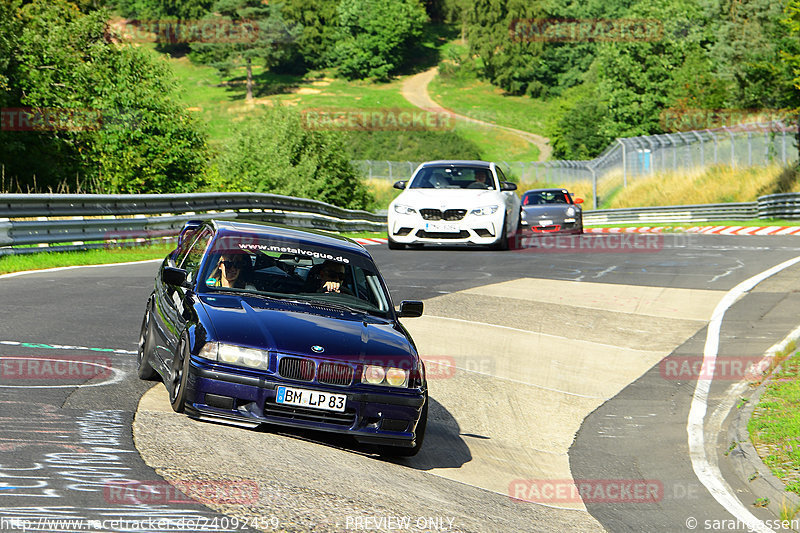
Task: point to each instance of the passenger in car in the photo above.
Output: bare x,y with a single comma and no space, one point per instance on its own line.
328,276
233,271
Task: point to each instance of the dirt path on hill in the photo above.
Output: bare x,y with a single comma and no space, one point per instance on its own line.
415,90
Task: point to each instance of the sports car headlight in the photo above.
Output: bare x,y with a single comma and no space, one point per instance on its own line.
235,355
485,210
404,209
570,211
378,375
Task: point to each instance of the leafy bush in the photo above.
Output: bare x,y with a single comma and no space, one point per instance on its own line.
410,145
375,36
277,154
133,135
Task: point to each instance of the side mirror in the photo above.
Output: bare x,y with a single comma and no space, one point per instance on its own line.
508,186
399,185
578,200
410,309
174,276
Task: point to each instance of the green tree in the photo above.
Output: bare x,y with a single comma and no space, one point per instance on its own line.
164,9
266,37
277,154
749,40
131,134
318,19
376,36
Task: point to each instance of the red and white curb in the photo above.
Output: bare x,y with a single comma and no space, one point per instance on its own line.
705,230
370,242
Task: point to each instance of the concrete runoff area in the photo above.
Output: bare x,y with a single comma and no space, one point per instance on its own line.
513,370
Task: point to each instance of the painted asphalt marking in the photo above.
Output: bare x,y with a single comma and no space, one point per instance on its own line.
58,269
704,230
65,347
708,474
118,375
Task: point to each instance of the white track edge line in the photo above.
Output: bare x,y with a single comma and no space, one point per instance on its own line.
710,477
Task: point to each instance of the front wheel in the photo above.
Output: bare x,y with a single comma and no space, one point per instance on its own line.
502,241
144,370
394,245
178,377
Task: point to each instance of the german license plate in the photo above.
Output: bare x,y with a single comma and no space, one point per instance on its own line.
545,222
441,227
311,398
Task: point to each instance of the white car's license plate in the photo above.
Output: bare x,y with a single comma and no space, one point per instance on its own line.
545,222
441,227
311,398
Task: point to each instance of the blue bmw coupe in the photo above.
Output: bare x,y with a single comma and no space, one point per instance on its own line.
251,323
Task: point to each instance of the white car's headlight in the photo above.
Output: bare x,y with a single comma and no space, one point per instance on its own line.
235,355
389,376
404,209
485,210
570,211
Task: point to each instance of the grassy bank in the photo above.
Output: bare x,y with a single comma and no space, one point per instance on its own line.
774,427
44,260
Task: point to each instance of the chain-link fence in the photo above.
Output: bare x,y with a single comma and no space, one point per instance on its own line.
744,145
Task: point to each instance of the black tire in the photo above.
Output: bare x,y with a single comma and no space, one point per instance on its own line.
394,245
178,377
397,451
502,240
144,370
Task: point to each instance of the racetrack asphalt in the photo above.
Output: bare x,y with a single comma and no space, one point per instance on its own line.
548,352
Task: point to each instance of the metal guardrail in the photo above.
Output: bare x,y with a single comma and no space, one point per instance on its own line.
29,222
91,221
681,213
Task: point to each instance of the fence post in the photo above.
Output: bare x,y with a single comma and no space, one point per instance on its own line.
594,186
624,165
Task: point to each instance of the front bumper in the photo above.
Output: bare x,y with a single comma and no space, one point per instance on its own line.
534,227
472,229
244,399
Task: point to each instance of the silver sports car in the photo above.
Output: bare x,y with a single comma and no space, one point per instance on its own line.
550,211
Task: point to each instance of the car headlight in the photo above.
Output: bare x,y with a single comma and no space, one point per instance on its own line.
388,376
235,355
570,211
404,209
485,210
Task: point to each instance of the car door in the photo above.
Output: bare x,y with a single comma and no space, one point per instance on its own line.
172,299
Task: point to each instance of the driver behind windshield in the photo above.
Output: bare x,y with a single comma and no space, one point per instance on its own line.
481,177
232,271
328,277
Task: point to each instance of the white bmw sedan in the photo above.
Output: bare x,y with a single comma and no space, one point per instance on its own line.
454,202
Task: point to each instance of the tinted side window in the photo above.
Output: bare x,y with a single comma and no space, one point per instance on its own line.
191,261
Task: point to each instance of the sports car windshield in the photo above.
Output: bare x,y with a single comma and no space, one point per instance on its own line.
453,178
545,198
295,271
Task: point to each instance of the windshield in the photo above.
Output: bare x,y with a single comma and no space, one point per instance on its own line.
546,197
453,178
286,270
